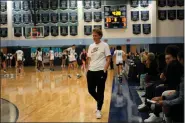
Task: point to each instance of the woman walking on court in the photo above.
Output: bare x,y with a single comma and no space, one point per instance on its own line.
99,60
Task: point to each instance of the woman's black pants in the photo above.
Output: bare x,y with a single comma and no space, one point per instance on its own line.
96,86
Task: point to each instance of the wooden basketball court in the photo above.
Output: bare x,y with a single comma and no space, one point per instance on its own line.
51,96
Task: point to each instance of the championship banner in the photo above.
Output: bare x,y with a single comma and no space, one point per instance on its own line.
45,51
134,15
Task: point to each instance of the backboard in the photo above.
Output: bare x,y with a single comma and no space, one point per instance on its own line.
32,32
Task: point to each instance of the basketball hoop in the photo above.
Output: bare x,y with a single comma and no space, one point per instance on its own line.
34,32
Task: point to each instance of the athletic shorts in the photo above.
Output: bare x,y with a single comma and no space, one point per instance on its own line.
119,62
72,61
10,58
19,63
19,58
84,60
39,58
38,61
51,58
3,60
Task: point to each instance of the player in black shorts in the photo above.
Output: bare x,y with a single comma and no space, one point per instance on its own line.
9,59
3,60
64,58
83,57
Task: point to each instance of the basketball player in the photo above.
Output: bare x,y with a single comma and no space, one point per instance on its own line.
19,56
99,60
16,64
72,59
71,63
83,57
44,60
119,59
51,59
64,58
39,58
9,59
3,60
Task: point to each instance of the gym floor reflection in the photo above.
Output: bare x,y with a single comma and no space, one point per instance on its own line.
53,97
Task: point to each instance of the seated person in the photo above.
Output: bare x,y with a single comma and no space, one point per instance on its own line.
150,71
161,62
151,65
173,102
172,73
171,77
141,71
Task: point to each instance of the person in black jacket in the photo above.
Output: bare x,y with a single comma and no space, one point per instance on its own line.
151,65
170,77
172,103
152,74
150,70
141,71
3,60
161,62
173,71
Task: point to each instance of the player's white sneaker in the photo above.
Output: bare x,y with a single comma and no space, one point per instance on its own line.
98,114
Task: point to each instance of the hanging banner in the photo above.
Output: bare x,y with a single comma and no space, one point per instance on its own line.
171,3
136,28
171,14
144,3
134,15
162,14
180,14
144,15
161,3
146,28
180,2
134,3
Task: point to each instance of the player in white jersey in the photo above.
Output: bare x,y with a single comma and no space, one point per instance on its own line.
72,59
19,57
39,58
51,58
119,59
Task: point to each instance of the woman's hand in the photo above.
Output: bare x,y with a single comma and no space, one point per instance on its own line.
162,76
157,99
160,102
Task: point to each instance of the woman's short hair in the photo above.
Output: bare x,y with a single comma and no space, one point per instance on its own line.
98,31
172,50
118,47
143,58
151,56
